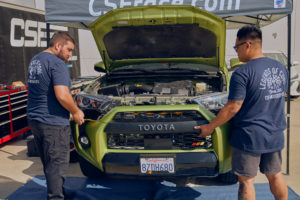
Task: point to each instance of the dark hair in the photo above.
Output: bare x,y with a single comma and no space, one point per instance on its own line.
249,32
62,37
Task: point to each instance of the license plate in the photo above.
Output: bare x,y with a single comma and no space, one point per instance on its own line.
150,165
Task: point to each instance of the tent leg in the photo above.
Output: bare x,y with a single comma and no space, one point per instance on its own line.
48,33
288,98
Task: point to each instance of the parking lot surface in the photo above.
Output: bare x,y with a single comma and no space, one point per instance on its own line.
16,168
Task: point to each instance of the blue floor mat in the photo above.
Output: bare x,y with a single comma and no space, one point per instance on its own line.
124,189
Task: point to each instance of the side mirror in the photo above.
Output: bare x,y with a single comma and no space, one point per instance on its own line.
295,63
100,67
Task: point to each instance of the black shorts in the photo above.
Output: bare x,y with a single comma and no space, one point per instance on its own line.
247,164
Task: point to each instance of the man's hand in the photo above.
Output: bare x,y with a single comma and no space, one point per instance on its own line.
205,130
64,97
78,117
225,114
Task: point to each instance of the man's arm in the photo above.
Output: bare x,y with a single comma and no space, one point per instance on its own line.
64,97
225,114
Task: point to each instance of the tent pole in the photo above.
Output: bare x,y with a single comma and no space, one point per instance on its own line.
288,98
48,33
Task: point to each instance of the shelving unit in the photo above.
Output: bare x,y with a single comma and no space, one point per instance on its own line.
13,103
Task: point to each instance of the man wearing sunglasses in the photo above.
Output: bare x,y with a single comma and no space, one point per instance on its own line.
256,103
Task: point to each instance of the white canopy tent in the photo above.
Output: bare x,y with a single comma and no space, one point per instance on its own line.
80,13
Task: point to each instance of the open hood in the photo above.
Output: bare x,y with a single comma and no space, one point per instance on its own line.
166,33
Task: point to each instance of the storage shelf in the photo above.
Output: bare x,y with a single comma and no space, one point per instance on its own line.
4,106
5,112
20,116
18,108
4,101
13,122
4,122
21,101
18,97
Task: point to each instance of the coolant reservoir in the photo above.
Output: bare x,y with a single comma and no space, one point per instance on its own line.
201,87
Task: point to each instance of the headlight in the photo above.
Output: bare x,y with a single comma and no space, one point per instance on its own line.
214,101
92,102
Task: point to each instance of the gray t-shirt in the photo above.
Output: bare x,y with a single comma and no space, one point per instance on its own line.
259,124
44,72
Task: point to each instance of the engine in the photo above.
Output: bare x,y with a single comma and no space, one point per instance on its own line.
99,100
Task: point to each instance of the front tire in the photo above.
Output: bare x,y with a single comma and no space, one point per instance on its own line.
88,169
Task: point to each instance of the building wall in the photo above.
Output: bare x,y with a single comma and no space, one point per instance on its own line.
27,3
296,32
37,4
275,36
23,35
89,54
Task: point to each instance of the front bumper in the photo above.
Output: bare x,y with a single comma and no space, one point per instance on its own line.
204,164
125,158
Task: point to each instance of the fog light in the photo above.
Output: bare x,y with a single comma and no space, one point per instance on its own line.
84,141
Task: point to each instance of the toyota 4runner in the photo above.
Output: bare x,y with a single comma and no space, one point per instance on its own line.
165,73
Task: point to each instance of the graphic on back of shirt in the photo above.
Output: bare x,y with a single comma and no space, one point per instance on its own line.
274,81
35,69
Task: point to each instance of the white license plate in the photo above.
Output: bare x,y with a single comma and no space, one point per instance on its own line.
149,165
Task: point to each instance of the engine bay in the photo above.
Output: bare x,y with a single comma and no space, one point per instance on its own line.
103,94
164,86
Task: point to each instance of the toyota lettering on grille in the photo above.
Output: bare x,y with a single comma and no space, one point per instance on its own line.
156,127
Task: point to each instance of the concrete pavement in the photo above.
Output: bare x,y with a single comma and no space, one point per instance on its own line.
16,168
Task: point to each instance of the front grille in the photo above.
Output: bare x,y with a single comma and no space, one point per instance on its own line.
157,130
192,140
125,141
158,141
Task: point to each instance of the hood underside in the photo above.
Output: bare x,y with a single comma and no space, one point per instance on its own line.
166,33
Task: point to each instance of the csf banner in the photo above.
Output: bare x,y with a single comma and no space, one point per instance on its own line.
23,35
74,11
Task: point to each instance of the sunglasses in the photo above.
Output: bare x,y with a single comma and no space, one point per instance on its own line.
240,44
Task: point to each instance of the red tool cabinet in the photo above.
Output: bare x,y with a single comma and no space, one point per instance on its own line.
13,104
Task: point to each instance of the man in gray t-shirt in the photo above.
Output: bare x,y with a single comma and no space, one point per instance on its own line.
48,110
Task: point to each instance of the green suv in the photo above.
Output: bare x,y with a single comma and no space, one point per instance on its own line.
165,72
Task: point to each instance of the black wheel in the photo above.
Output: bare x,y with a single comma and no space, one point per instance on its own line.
88,169
228,178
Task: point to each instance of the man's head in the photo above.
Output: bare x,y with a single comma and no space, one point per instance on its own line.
248,43
62,44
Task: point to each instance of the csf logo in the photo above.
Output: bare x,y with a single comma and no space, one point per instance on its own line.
33,33
279,3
